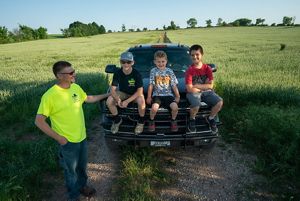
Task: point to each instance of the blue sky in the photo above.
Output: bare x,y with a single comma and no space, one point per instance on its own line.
57,14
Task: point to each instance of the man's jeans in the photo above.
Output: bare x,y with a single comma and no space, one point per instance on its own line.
73,159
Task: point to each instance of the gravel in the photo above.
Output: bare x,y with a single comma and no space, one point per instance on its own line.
217,174
102,168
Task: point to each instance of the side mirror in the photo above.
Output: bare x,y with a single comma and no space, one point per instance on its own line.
213,67
111,68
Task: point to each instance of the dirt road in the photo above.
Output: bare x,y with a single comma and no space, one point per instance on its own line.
221,173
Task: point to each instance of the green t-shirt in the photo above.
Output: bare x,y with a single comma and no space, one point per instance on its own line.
64,108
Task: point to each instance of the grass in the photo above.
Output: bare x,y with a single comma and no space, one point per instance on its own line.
259,83
141,174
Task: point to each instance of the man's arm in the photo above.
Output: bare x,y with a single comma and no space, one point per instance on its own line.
40,122
95,98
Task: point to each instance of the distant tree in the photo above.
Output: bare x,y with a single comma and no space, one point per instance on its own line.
79,29
219,23
27,33
101,29
164,27
208,22
66,33
123,28
15,35
130,30
138,30
145,29
293,20
42,33
4,37
242,22
273,24
259,21
287,21
192,22
172,26
109,31
93,28
224,24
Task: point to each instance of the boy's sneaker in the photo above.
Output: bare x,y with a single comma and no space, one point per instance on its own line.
151,126
191,126
115,127
174,127
139,128
88,191
212,124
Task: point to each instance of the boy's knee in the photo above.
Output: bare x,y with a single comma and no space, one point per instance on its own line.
155,107
140,100
110,101
174,106
220,103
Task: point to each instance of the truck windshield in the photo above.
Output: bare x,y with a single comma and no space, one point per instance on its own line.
178,59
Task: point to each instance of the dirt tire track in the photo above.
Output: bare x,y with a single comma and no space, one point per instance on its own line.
219,173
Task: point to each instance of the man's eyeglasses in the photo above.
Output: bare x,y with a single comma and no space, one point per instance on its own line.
70,73
126,62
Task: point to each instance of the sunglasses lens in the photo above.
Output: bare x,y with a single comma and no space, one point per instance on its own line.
126,62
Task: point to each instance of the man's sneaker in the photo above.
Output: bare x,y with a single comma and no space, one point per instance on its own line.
151,126
191,126
212,124
174,127
88,191
115,127
139,128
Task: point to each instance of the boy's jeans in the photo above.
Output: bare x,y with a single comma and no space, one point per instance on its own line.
73,159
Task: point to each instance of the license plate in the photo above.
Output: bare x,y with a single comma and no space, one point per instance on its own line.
160,143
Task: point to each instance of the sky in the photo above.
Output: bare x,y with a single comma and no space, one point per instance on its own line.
58,14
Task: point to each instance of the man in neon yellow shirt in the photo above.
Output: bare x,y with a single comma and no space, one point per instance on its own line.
62,103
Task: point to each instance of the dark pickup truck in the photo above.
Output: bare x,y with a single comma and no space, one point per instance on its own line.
178,60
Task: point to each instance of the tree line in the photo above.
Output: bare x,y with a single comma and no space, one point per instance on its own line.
22,33
79,29
286,21
25,33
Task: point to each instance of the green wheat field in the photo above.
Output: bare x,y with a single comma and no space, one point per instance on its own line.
260,85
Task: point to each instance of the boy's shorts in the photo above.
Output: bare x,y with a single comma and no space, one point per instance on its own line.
163,101
122,95
209,97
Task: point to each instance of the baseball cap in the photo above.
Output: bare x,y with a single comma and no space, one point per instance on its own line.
127,56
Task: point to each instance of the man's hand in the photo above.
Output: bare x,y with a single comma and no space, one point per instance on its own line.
62,140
